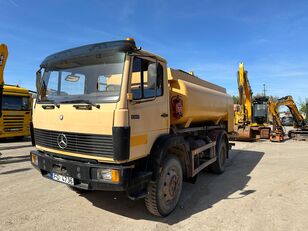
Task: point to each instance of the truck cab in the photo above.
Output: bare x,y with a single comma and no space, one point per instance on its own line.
92,94
15,112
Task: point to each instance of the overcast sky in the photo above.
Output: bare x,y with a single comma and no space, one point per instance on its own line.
209,37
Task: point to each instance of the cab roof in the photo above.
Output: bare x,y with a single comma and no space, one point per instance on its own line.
14,89
80,53
89,50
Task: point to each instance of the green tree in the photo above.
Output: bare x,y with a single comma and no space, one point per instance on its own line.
236,99
303,105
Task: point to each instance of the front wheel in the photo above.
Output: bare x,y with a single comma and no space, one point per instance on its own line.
164,193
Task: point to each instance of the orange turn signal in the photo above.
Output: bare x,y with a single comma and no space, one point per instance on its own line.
34,159
115,176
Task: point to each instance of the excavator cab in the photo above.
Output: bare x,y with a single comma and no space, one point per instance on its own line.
260,110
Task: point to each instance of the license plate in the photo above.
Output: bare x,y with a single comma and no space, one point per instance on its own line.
64,179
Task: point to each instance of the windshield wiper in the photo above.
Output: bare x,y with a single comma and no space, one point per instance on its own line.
82,101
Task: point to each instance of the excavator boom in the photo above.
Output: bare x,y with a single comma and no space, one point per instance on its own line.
245,94
277,134
3,58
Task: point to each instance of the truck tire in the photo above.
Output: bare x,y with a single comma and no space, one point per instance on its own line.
164,193
222,151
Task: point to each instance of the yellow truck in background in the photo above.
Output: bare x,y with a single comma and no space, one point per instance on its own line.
112,116
16,112
15,105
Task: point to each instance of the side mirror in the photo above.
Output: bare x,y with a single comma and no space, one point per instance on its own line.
38,80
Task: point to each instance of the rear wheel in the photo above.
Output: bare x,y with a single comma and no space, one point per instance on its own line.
219,165
164,193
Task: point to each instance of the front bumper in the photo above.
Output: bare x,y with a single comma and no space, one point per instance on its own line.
85,173
5,134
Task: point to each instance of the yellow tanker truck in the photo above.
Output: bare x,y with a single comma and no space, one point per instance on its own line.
112,116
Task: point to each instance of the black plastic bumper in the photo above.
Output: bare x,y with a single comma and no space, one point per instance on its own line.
85,173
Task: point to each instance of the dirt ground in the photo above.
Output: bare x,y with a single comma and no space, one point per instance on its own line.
264,187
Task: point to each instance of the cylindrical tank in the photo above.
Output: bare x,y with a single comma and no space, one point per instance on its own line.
201,101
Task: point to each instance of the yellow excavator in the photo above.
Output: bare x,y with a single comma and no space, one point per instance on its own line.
250,115
15,105
278,133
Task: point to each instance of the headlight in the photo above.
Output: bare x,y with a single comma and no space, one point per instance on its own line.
107,174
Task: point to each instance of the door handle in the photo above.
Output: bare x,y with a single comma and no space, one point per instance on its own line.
164,115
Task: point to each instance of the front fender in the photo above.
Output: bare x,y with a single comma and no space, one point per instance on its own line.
160,150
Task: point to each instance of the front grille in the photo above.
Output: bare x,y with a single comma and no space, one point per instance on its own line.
13,123
96,145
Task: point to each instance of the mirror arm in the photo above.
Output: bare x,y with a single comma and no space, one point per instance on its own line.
38,81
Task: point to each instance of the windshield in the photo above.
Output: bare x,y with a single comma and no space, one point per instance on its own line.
260,110
96,83
16,103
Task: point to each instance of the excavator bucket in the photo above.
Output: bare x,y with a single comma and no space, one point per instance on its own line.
250,133
243,133
277,135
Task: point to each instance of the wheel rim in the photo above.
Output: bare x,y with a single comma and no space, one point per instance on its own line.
171,185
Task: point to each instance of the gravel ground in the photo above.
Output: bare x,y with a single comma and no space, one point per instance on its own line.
264,187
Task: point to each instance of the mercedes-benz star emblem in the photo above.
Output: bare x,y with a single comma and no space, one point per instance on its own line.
62,141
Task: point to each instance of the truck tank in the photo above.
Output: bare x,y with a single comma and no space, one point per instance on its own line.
201,101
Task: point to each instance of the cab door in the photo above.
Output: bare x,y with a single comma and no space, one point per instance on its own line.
149,107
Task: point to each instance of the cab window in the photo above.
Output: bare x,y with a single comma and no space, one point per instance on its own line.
143,83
